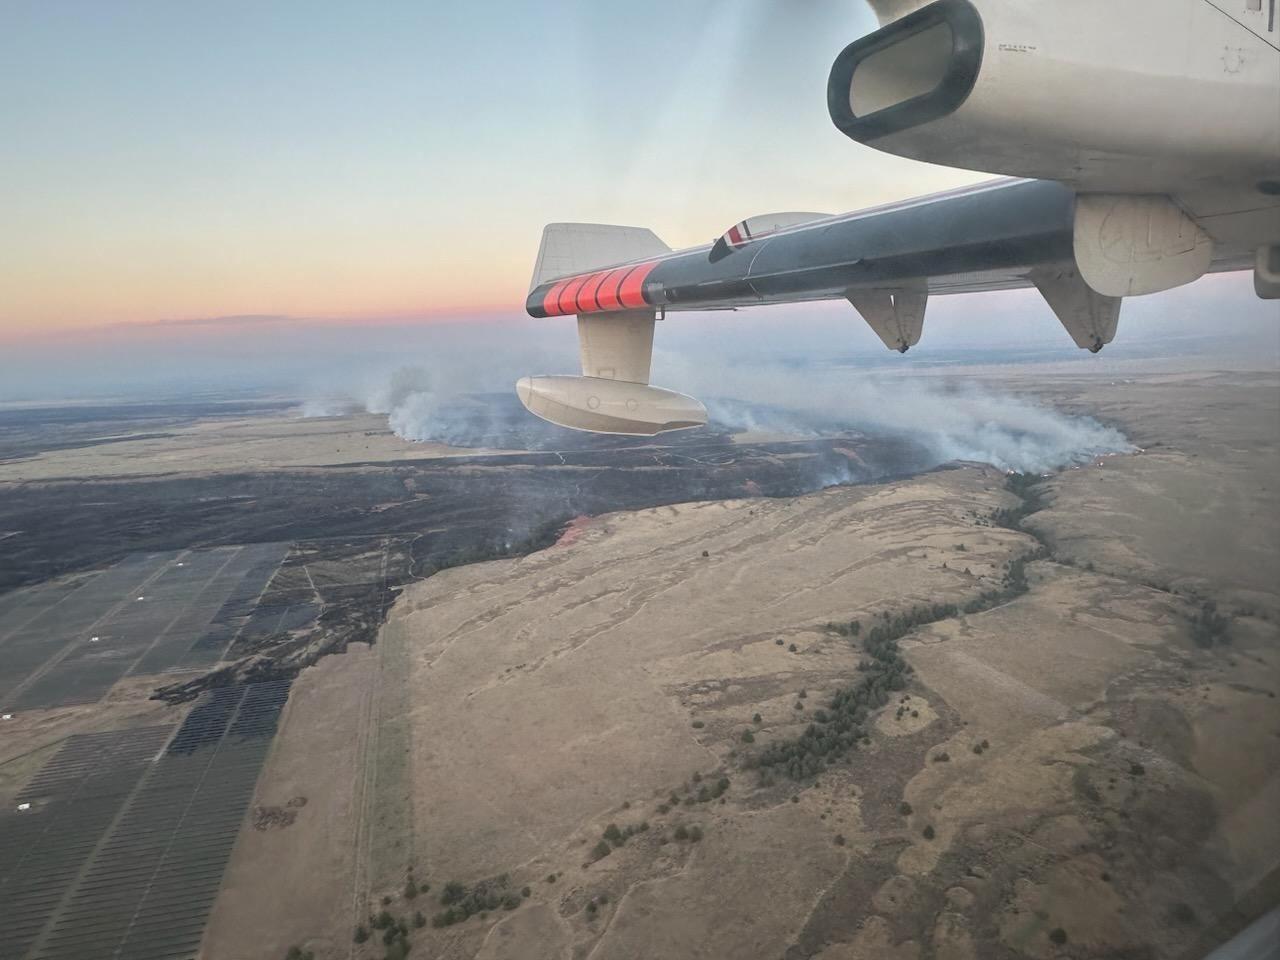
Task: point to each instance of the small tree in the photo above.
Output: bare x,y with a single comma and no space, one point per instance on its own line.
362,934
601,850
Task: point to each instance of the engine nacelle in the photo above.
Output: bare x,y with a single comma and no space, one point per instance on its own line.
1061,91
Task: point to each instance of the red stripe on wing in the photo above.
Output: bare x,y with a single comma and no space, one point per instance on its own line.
551,302
569,295
587,302
607,294
631,291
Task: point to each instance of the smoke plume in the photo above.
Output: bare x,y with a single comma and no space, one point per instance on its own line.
952,419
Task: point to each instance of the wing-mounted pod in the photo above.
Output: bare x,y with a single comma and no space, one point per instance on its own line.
896,316
613,394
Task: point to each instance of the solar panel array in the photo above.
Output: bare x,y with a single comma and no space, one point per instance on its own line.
73,801
150,613
136,880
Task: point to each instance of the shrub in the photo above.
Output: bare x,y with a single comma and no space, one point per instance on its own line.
601,850
803,694
1137,769
361,935
695,834
410,889
551,878
904,808
928,833
748,736
613,834
419,920
383,920
792,648
397,951
1058,935
839,840
526,892
1183,913
779,641
698,724
977,748
682,832
453,892
942,757
756,718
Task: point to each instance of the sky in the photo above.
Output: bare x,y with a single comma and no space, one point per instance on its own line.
244,180
177,160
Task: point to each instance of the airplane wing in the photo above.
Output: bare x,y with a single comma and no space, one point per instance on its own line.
1124,179
985,237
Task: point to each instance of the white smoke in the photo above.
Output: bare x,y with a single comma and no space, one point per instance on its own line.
953,419
950,418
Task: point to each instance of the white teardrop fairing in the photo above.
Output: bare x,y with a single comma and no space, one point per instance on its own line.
600,405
